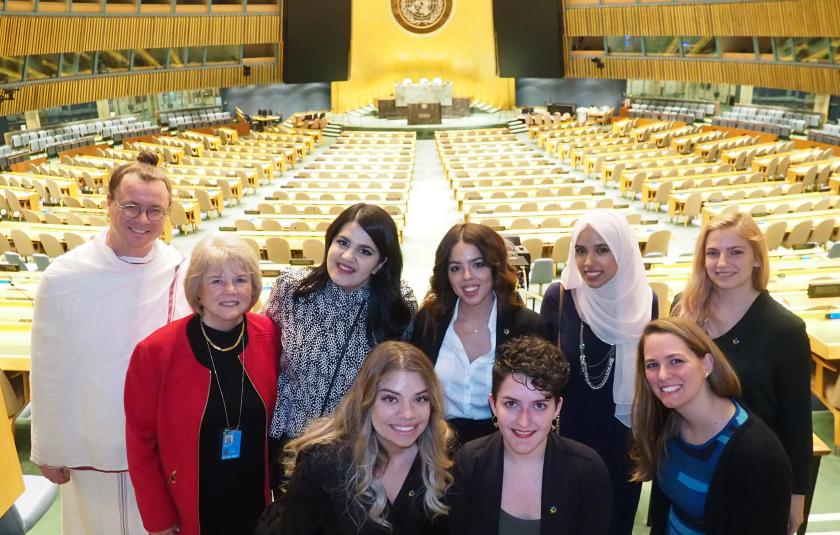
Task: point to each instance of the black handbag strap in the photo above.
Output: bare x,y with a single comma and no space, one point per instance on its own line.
340,360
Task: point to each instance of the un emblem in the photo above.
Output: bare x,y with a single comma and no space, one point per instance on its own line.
421,16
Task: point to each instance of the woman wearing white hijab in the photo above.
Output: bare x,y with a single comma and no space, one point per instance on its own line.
597,313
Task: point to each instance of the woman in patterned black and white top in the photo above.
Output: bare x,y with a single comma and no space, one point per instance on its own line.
331,316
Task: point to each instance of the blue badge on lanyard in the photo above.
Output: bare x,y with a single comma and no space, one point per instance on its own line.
231,443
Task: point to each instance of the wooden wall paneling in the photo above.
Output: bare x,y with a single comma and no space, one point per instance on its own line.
795,18
54,93
822,80
79,34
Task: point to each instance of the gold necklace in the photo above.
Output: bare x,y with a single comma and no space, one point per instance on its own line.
217,348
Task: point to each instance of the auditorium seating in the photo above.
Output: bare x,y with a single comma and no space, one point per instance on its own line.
781,122
671,110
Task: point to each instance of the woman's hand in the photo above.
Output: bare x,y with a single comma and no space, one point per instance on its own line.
57,475
797,512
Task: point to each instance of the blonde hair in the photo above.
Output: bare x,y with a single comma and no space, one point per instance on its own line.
653,423
694,303
217,252
351,430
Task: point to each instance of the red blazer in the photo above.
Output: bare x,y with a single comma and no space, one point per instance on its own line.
166,390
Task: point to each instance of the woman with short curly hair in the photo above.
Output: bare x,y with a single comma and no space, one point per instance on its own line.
525,478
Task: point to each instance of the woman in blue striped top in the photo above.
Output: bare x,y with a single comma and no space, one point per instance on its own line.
718,468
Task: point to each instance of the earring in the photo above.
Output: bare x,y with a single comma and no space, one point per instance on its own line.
494,421
555,424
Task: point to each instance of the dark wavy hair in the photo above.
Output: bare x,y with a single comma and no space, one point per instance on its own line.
440,301
537,359
388,313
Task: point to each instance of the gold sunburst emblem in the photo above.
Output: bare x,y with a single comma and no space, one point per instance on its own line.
421,16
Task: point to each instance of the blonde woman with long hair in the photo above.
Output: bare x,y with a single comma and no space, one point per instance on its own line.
765,342
379,464
718,468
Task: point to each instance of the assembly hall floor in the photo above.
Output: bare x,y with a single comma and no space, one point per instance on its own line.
431,212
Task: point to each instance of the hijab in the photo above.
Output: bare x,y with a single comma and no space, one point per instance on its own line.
617,311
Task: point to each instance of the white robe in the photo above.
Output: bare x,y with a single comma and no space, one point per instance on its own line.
91,309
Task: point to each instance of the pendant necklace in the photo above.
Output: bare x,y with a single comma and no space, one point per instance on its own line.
596,382
231,435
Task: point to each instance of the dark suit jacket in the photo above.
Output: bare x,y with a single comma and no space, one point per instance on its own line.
576,496
511,321
315,501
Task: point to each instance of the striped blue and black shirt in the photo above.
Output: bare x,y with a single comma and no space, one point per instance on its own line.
685,473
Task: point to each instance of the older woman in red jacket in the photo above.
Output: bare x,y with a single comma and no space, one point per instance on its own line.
197,396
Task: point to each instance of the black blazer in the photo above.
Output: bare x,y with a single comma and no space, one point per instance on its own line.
315,501
576,495
511,321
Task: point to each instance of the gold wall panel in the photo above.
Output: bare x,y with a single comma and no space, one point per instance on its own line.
794,18
20,35
462,51
801,78
45,95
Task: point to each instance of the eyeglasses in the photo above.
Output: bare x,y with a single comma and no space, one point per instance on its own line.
132,211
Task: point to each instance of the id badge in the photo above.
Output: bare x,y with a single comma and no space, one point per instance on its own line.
231,443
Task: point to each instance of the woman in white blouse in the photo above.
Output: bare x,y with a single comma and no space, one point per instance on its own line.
471,308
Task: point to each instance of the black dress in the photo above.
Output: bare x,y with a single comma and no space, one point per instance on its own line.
229,500
588,415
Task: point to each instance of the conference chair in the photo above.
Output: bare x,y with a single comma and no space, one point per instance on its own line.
774,234
266,208
42,261
809,182
73,240
658,242
14,259
50,244
822,232
13,206
542,274
178,217
313,250
534,246
244,224
72,218
799,234
29,216
22,242
271,225
822,204
521,223
663,294
252,243
278,250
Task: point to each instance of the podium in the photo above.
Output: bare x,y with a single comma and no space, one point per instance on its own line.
424,113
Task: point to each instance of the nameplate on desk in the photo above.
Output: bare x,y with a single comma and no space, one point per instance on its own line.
824,289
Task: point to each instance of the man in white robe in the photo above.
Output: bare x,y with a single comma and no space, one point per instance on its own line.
94,305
